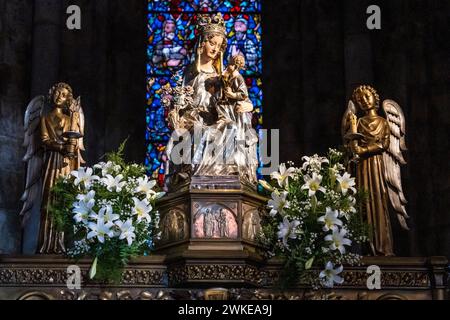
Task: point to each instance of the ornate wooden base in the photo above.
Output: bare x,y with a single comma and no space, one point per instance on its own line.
238,275
203,220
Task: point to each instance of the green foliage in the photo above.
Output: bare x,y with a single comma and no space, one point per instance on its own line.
117,157
64,194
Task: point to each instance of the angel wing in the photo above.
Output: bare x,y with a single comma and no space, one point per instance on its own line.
81,122
75,107
33,156
345,126
393,159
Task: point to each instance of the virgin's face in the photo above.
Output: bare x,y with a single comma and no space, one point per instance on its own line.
212,47
61,96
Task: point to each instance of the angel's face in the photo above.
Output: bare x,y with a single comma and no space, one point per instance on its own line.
61,96
366,100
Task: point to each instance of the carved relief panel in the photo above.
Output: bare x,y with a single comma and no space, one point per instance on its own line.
251,222
215,220
174,225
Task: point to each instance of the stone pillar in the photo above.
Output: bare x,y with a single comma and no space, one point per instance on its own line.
358,45
47,24
15,41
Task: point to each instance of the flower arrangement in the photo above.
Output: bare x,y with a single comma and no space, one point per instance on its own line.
313,218
107,212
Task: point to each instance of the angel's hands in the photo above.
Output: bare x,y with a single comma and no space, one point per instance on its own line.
360,151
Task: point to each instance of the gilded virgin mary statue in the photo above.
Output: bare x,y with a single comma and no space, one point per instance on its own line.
211,107
54,127
377,143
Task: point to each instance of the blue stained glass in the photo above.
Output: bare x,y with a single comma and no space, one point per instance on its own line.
205,5
254,86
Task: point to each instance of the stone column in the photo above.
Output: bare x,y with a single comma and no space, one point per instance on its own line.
47,23
358,45
15,45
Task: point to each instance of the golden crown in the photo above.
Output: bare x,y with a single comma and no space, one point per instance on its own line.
211,25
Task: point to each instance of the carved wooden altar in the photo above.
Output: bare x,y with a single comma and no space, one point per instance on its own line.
222,260
238,274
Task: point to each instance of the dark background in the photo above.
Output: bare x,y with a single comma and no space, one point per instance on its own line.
314,53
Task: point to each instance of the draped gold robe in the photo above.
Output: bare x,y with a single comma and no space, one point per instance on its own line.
370,177
55,165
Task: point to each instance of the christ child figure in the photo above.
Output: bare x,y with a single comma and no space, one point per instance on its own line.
234,98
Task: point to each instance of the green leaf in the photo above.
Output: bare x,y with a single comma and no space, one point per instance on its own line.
309,263
93,270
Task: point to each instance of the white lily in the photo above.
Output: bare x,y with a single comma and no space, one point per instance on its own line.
83,207
346,182
142,209
330,275
338,240
106,167
106,213
114,183
126,231
330,220
313,184
101,230
286,230
351,208
87,197
283,175
278,203
314,162
84,176
145,186
82,211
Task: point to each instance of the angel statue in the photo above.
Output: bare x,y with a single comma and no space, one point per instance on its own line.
54,129
376,143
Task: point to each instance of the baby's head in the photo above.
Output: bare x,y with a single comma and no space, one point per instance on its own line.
237,62
212,85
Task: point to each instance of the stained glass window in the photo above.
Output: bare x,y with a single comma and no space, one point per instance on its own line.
171,39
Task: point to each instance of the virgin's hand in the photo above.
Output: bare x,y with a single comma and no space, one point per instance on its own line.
244,107
241,109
